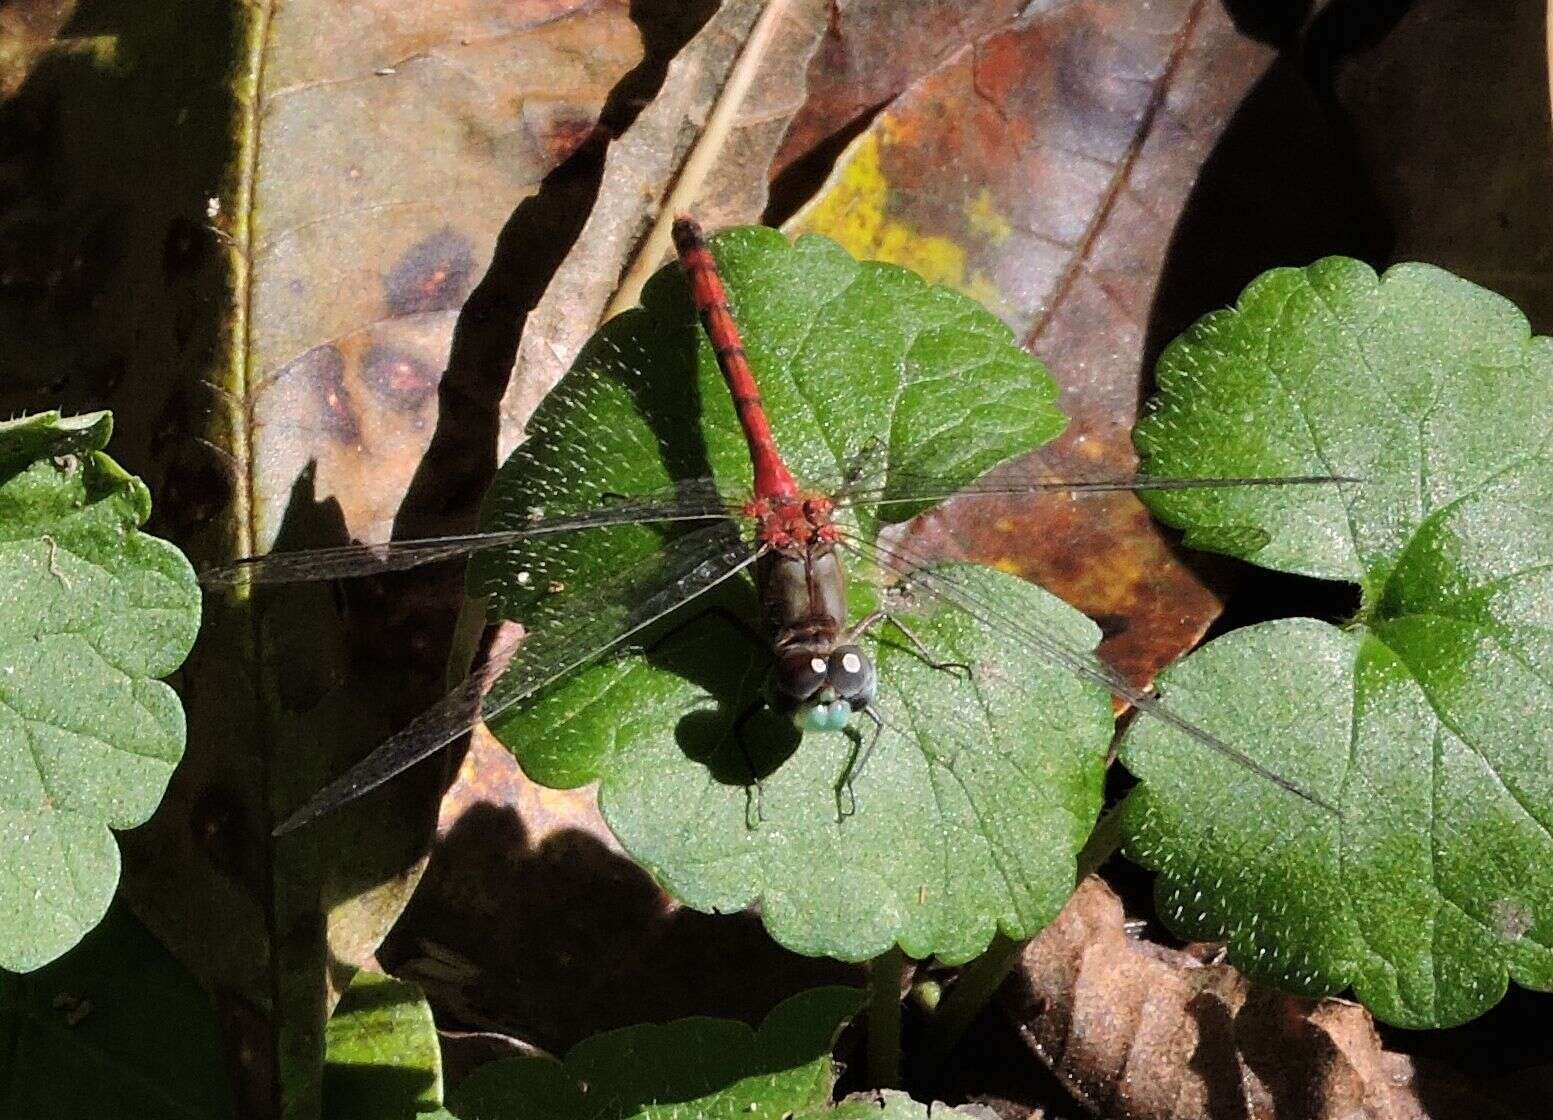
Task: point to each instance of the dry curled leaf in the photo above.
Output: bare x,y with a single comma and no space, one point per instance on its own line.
643,165
1148,1033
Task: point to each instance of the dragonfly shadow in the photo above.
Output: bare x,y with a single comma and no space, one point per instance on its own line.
713,645
350,662
654,350
530,921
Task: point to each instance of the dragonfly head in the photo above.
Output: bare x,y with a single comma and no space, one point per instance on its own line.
822,691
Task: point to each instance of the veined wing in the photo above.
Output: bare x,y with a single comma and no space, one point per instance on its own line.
563,634
908,489
923,576
697,500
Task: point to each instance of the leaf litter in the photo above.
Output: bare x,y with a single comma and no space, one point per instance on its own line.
1152,1033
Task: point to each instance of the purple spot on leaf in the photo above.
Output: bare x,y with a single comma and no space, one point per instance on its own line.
435,274
323,370
398,376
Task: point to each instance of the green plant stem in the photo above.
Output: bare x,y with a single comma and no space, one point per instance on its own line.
974,989
467,630
885,973
1102,844
982,978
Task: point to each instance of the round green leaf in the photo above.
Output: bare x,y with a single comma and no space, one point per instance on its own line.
382,1059
1424,723
700,1067
91,612
970,810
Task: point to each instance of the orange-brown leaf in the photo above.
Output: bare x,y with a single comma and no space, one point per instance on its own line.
1042,170
1149,1033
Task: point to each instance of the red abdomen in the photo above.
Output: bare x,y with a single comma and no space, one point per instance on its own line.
772,478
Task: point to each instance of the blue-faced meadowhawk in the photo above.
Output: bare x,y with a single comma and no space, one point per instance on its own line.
788,537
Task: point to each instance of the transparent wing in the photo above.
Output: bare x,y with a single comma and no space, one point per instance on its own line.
922,576
696,500
565,632
907,489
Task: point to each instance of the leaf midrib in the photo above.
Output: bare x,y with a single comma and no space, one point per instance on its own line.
1449,725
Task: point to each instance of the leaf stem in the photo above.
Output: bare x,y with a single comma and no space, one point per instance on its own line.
885,973
971,993
982,978
1103,843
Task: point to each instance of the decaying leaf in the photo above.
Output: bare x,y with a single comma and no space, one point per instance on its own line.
1076,136
1150,1033
872,50
249,229
642,166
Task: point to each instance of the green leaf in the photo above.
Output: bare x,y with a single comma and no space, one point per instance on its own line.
114,1028
47,435
382,1057
91,612
977,797
1425,721
693,1068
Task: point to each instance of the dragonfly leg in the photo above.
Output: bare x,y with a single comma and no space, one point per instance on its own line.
856,760
755,791
918,646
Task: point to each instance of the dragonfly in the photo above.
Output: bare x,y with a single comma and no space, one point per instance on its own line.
792,540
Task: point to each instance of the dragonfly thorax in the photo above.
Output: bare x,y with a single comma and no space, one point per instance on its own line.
793,524
821,675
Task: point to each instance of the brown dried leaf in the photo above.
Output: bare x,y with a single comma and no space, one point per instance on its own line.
393,145
640,170
1042,170
872,50
1148,1033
